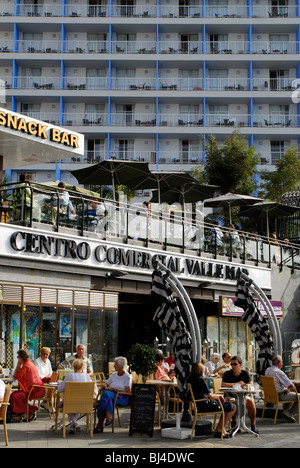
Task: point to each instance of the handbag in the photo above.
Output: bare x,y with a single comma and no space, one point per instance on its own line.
209,406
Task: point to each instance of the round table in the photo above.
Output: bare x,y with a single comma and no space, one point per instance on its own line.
240,395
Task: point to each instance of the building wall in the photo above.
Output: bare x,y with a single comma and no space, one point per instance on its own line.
148,79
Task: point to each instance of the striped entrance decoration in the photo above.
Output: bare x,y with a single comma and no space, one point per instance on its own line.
258,326
169,318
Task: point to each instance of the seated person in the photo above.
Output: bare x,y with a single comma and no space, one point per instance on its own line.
201,390
284,388
68,363
61,199
77,376
27,375
119,381
96,211
162,372
212,364
232,236
239,376
170,361
43,365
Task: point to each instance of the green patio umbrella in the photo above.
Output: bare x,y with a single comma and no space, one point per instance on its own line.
72,188
229,200
111,172
268,210
185,193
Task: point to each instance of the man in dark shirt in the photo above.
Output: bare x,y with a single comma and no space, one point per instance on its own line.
241,377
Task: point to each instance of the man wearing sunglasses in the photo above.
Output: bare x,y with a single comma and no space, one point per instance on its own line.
238,376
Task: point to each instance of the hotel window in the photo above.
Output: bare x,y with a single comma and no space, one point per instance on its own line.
189,79
279,79
126,43
217,79
96,42
95,150
279,115
125,149
278,149
218,43
278,8
96,78
31,109
279,43
31,77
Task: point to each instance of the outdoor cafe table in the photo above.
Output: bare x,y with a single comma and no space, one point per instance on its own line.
240,394
297,384
164,386
8,380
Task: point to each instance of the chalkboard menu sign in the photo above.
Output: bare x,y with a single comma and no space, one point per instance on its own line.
142,409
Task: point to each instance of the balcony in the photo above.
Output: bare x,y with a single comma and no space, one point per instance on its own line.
133,119
37,82
273,84
131,224
47,10
179,120
38,47
275,47
134,47
148,10
85,47
227,84
133,84
226,11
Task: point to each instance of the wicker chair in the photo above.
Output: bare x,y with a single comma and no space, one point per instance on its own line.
200,413
271,396
78,398
48,398
3,410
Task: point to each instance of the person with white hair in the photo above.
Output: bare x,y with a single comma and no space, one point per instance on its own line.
119,381
212,364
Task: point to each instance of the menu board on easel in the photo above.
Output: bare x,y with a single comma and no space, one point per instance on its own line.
142,409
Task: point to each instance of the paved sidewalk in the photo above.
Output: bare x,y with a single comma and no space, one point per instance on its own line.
38,434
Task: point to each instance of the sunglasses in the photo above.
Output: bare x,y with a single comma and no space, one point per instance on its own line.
235,364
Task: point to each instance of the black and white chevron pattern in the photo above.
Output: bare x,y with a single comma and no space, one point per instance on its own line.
258,325
169,318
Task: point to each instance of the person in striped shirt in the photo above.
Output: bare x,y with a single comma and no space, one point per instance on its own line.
284,388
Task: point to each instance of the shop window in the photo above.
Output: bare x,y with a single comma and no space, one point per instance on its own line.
48,319
10,336
31,331
64,342
110,337
96,339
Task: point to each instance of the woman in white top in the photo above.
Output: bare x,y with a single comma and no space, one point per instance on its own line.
43,365
119,381
77,376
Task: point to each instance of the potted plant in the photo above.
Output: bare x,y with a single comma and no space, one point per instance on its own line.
141,360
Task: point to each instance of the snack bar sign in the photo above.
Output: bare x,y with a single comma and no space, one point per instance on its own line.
40,130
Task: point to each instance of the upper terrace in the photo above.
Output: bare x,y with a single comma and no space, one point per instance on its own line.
167,229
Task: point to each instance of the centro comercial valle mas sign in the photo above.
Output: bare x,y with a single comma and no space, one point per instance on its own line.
132,259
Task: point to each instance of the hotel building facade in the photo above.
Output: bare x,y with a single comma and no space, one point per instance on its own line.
147,80
142,81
